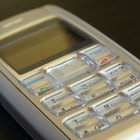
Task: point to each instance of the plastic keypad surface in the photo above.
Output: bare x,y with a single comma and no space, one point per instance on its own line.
100,54
120,74
133,94
68,70
39,86
92,90
84,123
61,102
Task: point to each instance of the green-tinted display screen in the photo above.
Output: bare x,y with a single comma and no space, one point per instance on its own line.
42,45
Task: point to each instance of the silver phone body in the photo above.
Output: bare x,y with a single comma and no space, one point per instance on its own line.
26,108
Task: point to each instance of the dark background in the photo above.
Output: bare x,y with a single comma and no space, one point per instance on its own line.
118,19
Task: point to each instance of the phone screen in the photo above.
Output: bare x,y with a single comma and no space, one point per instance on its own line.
52,41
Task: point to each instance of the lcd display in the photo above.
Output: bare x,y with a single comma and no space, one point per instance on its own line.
43,45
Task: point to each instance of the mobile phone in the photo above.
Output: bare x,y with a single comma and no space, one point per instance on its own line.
61,78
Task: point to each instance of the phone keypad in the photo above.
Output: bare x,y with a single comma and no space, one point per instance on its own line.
100,54
37,84
123,112
133,94
39,87
85,123
108,104
114,109
64,72
120,74
61,102
91,90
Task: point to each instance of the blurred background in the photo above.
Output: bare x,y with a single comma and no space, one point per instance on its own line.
118,19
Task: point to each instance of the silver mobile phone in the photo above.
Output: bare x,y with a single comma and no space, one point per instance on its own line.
62,79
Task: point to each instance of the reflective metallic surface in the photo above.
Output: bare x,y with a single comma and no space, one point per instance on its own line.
117,19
